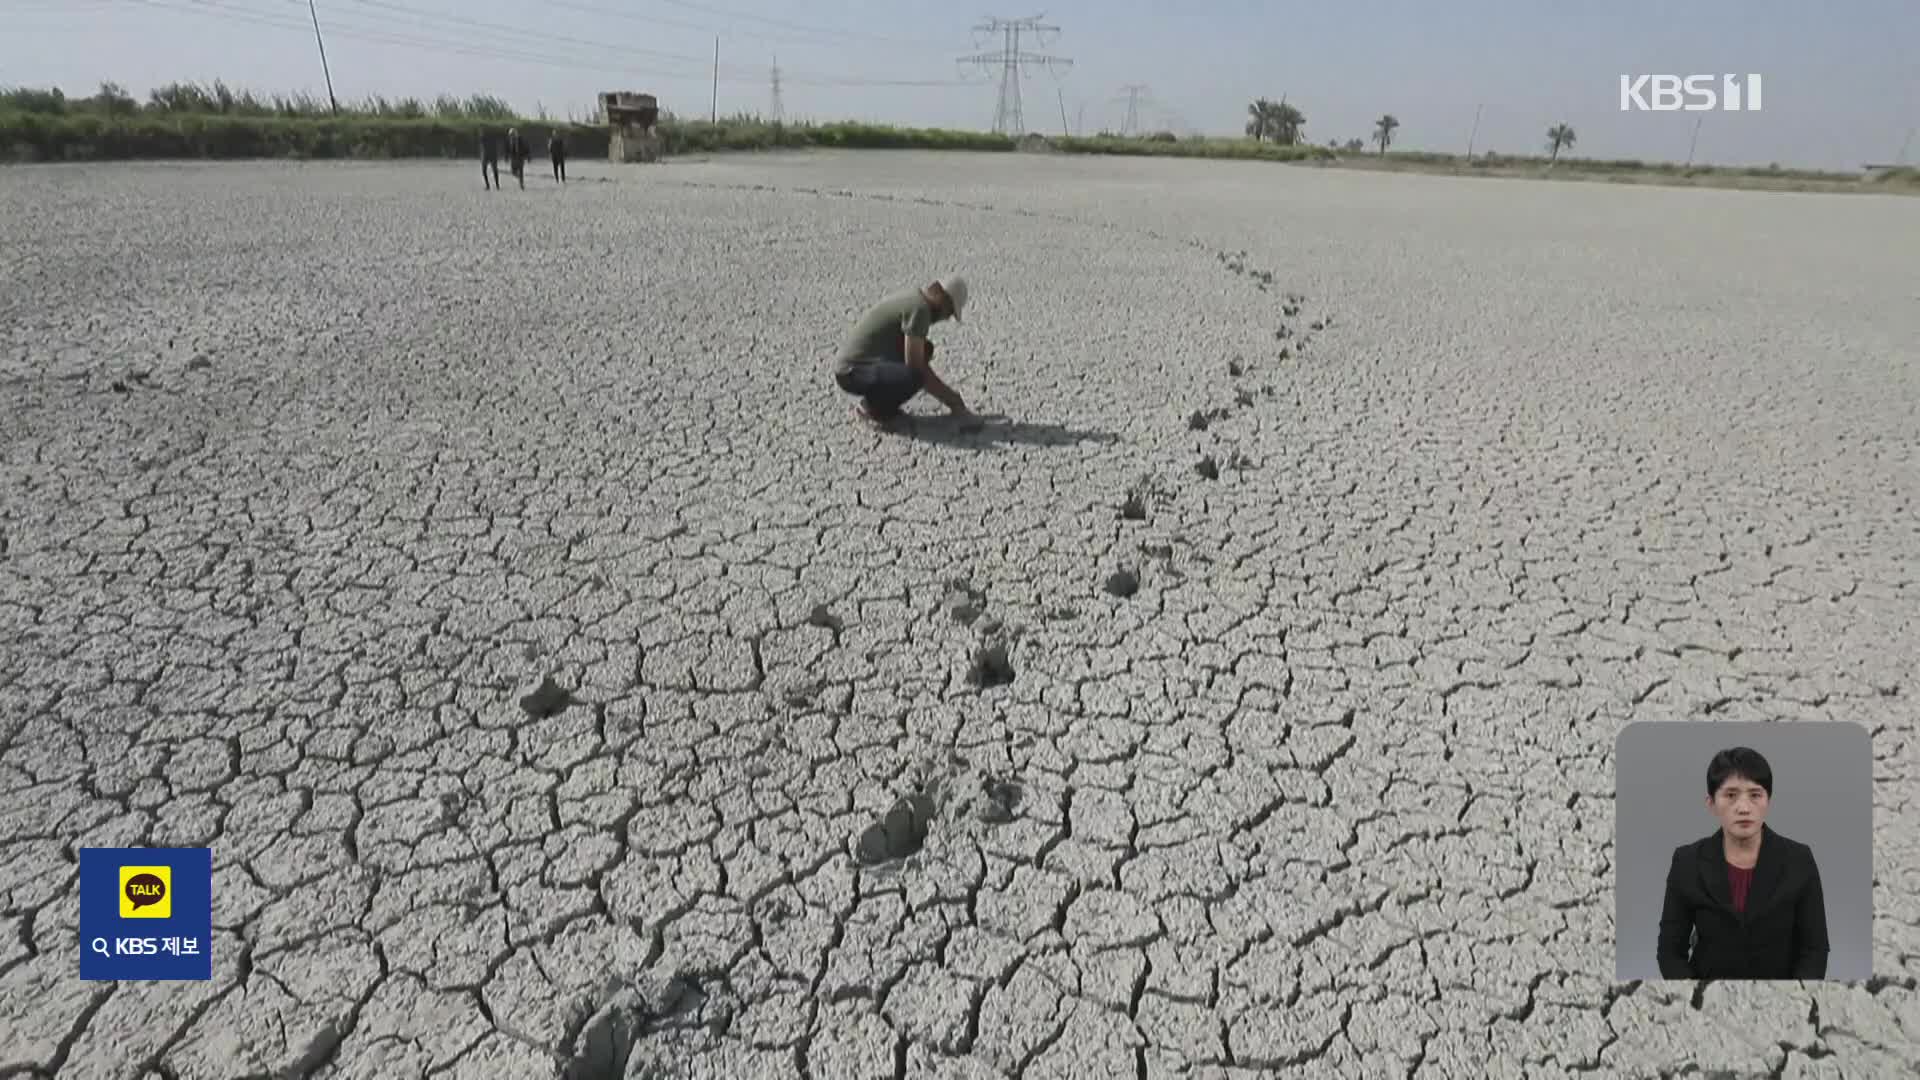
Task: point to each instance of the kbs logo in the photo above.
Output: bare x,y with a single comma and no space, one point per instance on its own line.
146,892
1689,93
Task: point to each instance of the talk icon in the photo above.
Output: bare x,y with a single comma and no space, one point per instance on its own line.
146,892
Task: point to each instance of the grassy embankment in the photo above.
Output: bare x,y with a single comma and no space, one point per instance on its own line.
1629,171
187,120
37,137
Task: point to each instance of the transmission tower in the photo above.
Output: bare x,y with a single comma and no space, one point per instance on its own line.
1134,92
1012,63
779,107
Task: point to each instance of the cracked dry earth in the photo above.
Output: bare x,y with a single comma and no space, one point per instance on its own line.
568,687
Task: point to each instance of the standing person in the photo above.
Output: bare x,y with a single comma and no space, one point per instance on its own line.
517,154
886,357
490,157
557,151
1744,903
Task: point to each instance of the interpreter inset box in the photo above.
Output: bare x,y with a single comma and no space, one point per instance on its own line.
1743,851
146,913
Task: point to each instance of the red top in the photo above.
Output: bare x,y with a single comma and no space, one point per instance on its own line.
1739,879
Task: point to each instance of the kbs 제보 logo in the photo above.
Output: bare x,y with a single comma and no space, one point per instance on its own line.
146,914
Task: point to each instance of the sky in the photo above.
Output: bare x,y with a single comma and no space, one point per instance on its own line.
1842,80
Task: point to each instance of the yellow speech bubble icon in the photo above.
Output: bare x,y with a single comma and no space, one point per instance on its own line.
146,892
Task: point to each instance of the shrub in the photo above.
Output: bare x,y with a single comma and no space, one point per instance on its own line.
30,100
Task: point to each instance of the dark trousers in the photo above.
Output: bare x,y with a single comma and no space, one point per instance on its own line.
490,163
519,166
884,385
560,168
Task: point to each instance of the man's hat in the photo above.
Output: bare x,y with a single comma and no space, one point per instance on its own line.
956,289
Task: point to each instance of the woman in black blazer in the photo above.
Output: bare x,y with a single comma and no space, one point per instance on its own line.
1744,903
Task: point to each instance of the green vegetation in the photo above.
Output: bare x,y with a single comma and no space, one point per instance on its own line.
190,120
93,136
187,120
1235,149
218,98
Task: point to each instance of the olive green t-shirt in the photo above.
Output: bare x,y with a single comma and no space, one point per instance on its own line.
882,333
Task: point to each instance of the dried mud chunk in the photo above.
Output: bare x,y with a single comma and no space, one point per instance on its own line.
547,699
964,602
991,665
902,832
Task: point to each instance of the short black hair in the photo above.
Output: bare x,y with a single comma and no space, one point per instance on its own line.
1739,761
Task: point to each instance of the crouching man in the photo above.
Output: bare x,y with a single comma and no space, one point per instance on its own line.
886,358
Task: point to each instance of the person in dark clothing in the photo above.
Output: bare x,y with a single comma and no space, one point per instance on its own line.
518,151
886,358
557,152
490,158
1744,903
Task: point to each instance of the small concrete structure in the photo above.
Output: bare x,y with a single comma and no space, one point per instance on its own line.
631,118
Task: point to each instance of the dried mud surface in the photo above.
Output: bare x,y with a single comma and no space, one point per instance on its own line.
568,686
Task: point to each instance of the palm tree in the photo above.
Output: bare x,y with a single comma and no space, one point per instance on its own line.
1288,123
1259,119
1279,121
1383,130
1558,135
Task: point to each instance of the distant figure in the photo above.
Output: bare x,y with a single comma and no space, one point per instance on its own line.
557,151
490,158
517,154
886,358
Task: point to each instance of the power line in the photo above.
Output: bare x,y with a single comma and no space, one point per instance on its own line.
463,23
506,42
806,35
801,27
517,32
1008,118
494,52
471,28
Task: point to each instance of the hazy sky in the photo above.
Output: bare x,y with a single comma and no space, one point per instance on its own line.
1842,79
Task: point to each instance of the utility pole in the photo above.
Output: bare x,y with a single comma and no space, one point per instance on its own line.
1695,141
1133,92
328,72
714,116
1908,141
1476,131
1062,95
779,107
1008,117
1080,120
